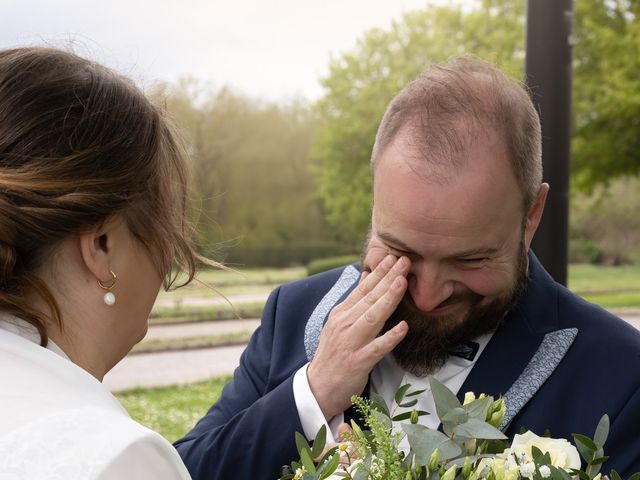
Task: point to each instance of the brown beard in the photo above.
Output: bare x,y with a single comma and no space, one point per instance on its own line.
430,339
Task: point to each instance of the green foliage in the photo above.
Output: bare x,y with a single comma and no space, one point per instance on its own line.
605,225
606,99
324,264
249,165
360,83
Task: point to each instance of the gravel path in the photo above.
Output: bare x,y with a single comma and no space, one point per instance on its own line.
168,368
212,300
201,329
172,368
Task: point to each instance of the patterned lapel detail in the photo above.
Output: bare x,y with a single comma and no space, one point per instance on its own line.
349,276
552,350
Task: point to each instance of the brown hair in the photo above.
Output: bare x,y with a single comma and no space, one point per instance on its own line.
78,144
449,105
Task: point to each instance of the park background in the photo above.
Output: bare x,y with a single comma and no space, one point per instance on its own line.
280,166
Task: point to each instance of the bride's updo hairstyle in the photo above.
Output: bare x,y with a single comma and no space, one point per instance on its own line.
78,144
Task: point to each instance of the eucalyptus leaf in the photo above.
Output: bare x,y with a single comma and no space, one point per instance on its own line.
444,398
400,393
378,403
602,431
586,441
580,474
599,461
474,428
536,452
423,441
319,442
635,476
408,404
585,446
456,415
383,418
478,408
556,473
615,475
406,415
416,392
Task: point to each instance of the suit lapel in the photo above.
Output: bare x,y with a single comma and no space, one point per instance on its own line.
525,350
347,282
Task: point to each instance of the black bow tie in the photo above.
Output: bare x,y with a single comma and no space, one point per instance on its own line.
468,350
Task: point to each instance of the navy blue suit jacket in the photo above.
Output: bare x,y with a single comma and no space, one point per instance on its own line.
560,362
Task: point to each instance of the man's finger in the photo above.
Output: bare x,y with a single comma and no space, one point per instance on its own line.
368,326
399,269
368,281
383,344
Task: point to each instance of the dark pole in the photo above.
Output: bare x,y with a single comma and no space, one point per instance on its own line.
548,75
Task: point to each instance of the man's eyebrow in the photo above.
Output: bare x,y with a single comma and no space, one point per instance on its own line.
473,252
394,242
400,245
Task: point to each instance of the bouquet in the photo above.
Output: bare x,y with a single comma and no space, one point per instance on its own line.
470,446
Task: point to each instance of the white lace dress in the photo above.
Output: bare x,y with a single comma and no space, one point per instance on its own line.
59,422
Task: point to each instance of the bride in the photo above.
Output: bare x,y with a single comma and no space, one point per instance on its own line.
92,220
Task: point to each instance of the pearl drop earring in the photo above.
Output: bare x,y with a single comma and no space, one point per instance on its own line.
109,297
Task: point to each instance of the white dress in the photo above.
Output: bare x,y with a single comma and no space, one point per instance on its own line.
59,422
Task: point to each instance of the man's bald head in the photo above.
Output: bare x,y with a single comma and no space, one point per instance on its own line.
449,107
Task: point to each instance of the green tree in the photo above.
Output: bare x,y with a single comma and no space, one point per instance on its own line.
360,83
254,195
606,139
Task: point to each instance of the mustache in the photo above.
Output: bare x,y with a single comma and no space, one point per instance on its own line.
469,297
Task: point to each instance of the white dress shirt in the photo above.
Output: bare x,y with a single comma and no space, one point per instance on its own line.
59,422
386,377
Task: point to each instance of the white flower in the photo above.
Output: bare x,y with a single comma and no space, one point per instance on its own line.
563,454
344,448
527,470
299,473
545,471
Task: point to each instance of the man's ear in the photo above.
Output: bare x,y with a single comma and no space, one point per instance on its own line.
96,246
534,215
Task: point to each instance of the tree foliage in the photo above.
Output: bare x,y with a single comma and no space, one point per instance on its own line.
606,139
253,192
361,82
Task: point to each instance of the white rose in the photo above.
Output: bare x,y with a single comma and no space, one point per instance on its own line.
563,454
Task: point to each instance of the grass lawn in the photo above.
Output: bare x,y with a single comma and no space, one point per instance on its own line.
172,411
609,287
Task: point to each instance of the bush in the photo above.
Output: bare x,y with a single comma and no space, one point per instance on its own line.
582,250
324,264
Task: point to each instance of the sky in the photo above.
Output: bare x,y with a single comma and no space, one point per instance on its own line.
269,49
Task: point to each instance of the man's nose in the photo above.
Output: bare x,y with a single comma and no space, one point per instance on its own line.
428,287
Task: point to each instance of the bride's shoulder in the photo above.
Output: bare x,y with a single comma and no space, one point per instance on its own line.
87,443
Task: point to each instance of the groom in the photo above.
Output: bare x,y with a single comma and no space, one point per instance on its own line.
453,292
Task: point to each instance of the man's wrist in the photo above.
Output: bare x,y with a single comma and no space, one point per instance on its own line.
311,415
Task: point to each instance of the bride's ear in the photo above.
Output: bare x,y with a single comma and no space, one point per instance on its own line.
96,249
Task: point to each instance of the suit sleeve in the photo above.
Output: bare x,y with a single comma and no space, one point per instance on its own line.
249,432
622,443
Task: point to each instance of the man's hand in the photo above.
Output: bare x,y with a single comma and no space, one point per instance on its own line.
349,344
